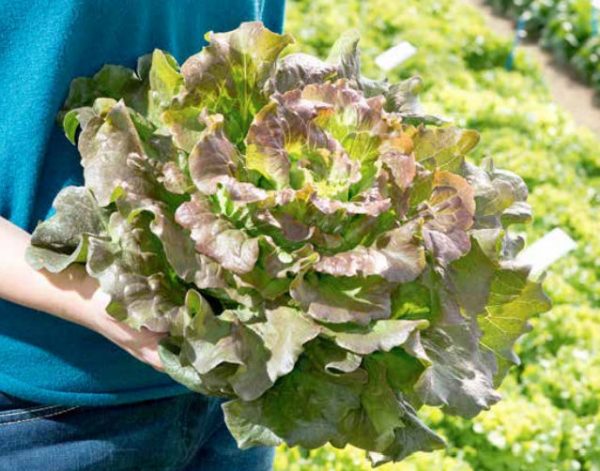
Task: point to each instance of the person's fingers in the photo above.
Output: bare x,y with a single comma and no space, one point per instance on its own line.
148,356
151,357
142,343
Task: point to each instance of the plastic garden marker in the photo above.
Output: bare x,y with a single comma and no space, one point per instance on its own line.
547,250
395,55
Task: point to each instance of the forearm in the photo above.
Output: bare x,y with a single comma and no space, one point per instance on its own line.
68,294
71,295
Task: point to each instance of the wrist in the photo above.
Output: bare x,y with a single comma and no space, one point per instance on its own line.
89,305
99,320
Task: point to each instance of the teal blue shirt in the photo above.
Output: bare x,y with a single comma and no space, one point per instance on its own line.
44,44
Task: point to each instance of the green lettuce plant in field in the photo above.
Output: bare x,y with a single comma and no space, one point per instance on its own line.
318,249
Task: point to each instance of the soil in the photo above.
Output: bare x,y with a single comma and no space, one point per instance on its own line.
572,94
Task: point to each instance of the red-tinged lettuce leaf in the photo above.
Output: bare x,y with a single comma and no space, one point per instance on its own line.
321,401
286,146
275,269
360,125
460,376
325,135
216,237
398,432
411,437
105,146
185,125
63,239
228,75
298,70
459,373
194,312
398,172
450,212
394,256
472,292
293,218
500,195
125,159
401,97
214,158
177,245
343,299
500,297
132,268
400,165
345,56
373,206
474,325
179,248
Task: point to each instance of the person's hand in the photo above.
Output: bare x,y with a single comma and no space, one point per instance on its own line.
71,295
142,344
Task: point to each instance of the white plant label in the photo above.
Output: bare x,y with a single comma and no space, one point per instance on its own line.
394,56
545,251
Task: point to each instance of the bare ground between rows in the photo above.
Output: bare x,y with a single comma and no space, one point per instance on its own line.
576,97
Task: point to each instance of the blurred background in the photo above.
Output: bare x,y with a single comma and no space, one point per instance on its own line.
534,107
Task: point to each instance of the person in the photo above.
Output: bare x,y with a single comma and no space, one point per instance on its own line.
80,390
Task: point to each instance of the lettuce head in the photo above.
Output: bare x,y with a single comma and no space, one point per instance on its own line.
318,249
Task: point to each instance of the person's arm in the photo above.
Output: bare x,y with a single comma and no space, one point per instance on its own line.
71,295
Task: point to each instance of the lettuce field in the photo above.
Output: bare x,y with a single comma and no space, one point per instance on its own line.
568,28
549,418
